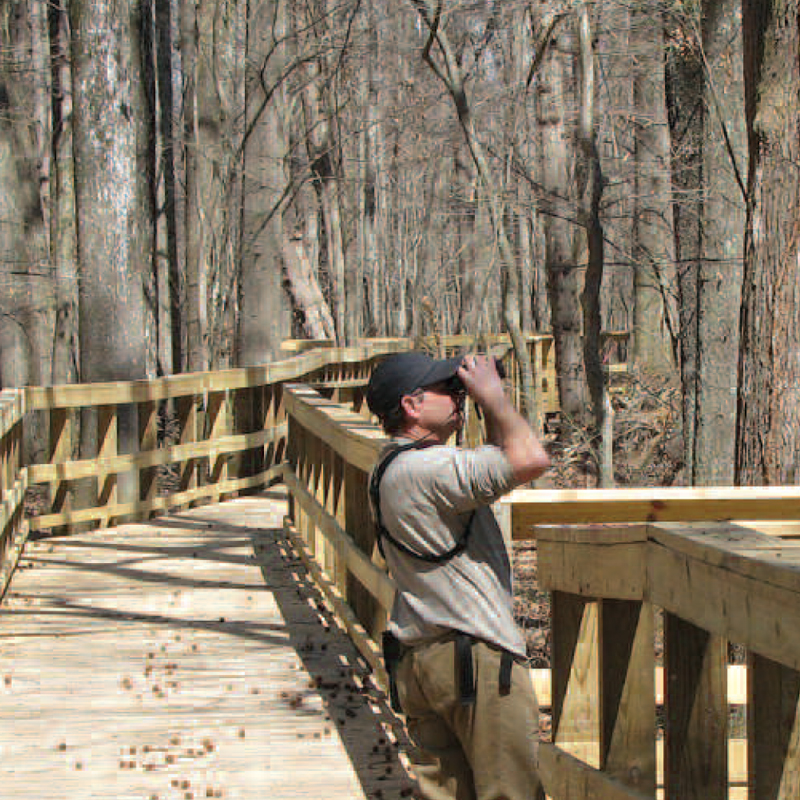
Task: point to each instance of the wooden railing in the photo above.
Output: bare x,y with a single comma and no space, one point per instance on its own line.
13,483
153,446
648,586
663,574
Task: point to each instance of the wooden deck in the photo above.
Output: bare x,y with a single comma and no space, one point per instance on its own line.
186,658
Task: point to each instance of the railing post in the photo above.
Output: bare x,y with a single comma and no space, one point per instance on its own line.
186,412
62,447
773,714
248,416
696,701
218,424
627,694
274,417
148,442
575,679
107,447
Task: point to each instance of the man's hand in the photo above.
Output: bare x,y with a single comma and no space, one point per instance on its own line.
481,380
505,426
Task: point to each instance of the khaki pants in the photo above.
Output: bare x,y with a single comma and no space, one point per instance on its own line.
483,751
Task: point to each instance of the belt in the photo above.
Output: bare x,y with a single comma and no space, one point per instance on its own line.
394,650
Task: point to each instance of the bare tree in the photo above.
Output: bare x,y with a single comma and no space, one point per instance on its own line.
26,300
654,315
768,426
63,232
451,74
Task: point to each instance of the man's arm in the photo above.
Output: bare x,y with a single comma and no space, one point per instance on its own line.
505,426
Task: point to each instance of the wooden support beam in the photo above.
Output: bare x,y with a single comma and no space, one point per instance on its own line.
532,507
566,776
576,722
696,749
627,693
172,502
594,560
773,730
107,440
148,441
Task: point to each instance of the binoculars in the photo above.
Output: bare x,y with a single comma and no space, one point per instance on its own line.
456,386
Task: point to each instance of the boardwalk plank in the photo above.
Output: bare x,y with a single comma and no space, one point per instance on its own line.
187,658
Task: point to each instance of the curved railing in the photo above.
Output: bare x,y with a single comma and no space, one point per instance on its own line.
648,586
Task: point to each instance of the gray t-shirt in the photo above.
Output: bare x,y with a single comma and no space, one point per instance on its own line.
427,498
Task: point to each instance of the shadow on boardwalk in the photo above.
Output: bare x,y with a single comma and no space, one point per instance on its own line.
141,657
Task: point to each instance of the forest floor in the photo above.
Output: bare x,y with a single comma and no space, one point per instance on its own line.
648,451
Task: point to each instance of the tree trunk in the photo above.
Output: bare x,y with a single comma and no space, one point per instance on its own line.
265,319
63,233
27,302
616,145
170,321
113,190
720,274
654,277
112,144
564,240
768,425
685,81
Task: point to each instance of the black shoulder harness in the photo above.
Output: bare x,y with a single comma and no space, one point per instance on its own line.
374,493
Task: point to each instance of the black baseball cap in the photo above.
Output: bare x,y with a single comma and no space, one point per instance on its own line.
403,373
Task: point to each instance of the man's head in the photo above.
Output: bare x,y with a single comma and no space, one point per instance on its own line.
397,389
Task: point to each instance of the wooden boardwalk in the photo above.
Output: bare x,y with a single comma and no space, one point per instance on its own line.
186,658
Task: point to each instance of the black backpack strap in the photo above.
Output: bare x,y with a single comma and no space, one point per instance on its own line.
383,533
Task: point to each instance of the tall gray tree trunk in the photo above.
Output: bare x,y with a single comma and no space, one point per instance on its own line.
655,290
112,135
26,302
768,422
112,143
564,240
723,223
615,137
63,220
265,309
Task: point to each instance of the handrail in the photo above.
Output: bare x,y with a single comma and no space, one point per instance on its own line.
614,561
712,580
229,430
13,484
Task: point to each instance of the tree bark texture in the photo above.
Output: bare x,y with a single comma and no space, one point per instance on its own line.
723,224
113,175
768,425
265,319
565,242
63,230
26,302
654,323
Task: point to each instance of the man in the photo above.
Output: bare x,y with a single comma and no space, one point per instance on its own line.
454,652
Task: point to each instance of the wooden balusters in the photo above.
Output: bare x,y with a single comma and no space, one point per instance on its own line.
63,445
773,729
106,482
148,442
695,692
186,414
627,693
